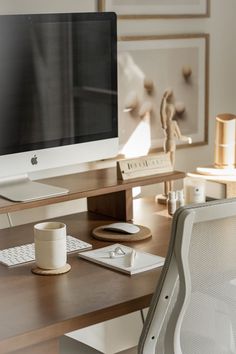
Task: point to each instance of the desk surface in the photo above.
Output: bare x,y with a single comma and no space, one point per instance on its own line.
36,308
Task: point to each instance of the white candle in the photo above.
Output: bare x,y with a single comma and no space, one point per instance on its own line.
194,190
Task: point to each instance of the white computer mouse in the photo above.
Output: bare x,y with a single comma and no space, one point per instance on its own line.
122,227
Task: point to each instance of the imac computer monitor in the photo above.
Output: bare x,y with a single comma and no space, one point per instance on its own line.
58,95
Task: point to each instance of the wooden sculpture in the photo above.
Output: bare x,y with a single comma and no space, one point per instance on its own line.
171,131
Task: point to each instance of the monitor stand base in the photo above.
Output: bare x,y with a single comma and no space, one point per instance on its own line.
22,189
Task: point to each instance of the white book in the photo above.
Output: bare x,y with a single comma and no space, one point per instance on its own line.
127,261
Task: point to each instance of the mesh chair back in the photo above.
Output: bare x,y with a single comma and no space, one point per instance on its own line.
193,310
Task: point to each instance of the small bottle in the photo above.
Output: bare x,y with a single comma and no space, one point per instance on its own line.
180,198
171,203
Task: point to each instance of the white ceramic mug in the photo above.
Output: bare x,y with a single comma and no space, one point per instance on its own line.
50,245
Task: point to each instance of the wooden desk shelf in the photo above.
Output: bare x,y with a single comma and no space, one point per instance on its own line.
105,194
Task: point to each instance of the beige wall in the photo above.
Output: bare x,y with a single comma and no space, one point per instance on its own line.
222,81
36,6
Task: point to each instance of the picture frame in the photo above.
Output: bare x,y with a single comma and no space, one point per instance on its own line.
162,61
142,9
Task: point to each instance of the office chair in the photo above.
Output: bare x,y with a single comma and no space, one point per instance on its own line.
193,310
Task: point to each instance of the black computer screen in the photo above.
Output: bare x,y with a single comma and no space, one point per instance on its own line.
58,80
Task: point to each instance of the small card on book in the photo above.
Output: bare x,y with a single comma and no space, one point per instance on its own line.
123,258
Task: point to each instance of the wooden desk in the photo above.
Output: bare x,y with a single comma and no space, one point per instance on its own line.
37,310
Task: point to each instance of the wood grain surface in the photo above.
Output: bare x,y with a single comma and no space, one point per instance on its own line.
36,309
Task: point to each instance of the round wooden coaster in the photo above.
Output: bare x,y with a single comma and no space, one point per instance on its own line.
101,234
58,271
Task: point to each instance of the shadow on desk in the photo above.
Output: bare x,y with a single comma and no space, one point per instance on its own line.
72,346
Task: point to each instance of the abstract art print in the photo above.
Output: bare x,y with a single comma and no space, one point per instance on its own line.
158,76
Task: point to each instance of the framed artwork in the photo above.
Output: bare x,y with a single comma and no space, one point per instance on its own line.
151,67
134,9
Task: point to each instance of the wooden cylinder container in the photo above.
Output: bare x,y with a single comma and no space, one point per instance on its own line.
225,141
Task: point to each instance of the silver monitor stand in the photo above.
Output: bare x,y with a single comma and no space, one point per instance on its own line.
22,189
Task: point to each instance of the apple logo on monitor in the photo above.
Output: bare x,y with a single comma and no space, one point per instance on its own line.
34,160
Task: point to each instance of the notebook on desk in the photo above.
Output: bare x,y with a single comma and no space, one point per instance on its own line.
123,262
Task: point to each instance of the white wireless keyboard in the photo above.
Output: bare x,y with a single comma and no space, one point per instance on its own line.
22,254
